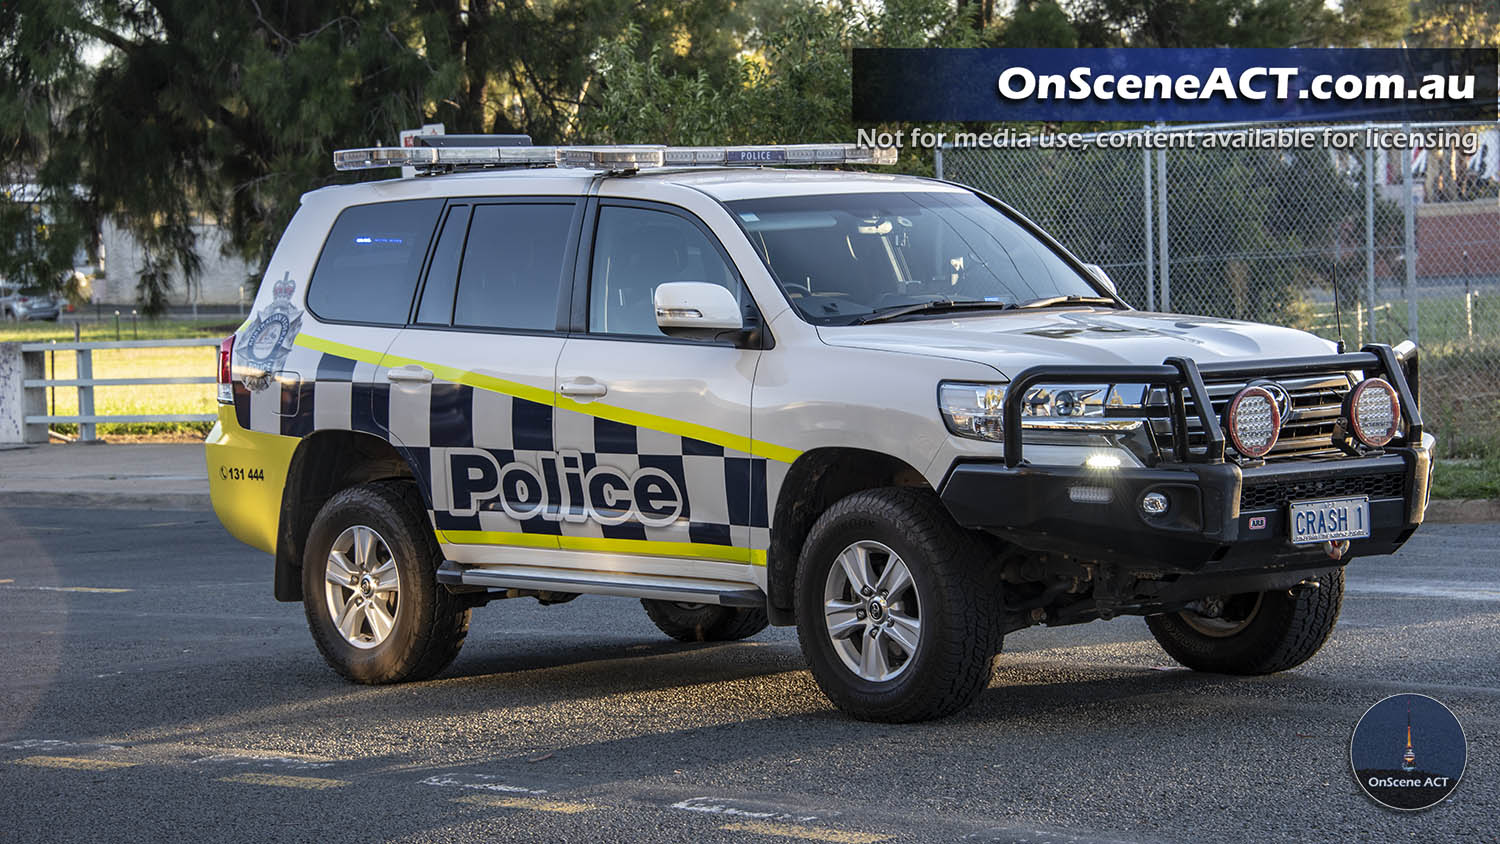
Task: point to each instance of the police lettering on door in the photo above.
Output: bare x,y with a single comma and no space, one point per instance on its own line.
559,489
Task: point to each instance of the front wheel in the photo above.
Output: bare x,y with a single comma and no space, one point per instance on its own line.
370,590
1255,632
896,607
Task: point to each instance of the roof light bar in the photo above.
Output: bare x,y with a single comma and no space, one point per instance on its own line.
609,158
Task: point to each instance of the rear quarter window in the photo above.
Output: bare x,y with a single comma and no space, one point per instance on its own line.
369,266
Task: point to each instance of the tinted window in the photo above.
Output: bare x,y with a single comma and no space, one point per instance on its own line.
840,257
369,266
635,249
442,272
512,266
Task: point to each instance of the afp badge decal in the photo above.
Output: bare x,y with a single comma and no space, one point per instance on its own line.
268,338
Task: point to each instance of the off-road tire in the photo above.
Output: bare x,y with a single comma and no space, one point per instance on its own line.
1290,626
430,624
705,622
956,586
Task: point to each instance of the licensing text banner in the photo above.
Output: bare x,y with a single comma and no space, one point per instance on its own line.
1175,85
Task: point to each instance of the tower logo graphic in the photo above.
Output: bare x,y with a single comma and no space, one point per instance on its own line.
1384,752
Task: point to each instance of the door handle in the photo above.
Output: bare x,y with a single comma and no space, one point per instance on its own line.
590,389
409,373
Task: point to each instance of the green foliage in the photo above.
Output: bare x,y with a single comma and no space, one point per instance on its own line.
188,113
791,84
1038,23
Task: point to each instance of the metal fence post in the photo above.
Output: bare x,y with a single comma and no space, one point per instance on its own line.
1409,209
1150,234
85,360
12,394
1370,231
937,162
1161,212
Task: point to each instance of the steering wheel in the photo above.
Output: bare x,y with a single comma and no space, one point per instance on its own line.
802,289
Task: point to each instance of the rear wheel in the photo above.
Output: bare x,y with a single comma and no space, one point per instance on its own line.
370,591
896,611
1255,632
705,622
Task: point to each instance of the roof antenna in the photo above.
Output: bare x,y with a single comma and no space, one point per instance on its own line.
1338,316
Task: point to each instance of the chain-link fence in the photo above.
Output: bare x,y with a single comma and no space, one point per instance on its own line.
1225,222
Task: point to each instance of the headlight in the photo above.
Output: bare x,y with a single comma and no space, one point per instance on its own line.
973,410
977,411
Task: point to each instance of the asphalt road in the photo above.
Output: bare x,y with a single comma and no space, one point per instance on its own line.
152,690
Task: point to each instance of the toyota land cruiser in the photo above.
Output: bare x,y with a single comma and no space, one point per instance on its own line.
888,410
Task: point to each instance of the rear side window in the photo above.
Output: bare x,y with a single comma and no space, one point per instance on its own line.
511,277
442,274
369,266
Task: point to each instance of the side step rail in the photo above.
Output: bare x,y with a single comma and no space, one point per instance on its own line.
543,579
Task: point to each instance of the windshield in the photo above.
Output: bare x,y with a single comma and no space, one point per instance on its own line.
840,257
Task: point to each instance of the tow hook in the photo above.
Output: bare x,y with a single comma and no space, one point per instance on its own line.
1336,548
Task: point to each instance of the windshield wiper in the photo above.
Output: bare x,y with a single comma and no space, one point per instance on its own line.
1051,301
930,307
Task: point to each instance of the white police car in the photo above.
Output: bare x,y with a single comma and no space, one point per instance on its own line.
885,409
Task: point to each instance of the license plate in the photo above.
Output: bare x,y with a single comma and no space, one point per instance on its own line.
1330,519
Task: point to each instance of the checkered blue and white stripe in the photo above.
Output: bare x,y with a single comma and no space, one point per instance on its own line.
725,499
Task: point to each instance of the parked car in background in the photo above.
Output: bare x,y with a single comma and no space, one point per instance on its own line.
22,303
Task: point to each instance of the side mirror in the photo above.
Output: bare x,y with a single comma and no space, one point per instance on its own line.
1103,277
696,309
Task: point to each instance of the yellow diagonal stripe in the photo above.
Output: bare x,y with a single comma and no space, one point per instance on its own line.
625,416
806,833
285,781
74,762
559,806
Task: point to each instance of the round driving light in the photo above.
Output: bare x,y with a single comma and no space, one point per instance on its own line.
1252,421
1373,411
1154,504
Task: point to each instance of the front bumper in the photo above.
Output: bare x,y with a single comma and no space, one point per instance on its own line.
1222,518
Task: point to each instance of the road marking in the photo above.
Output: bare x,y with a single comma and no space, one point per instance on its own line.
1458,591
97,589
284,781
559,806
251,759
480,782
754,811
807,833
74,763
53,744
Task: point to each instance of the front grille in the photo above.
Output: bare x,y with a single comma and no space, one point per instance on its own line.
1274,493
1315,405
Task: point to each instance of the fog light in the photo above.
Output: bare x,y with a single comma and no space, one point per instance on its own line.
1103,461
1252,421
1373,411
1154,503
1090,494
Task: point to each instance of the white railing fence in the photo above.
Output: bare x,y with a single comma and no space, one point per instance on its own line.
24,416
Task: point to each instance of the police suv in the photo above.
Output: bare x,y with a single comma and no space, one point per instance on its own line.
888,410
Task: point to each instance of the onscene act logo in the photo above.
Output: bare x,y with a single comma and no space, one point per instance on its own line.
1408,752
